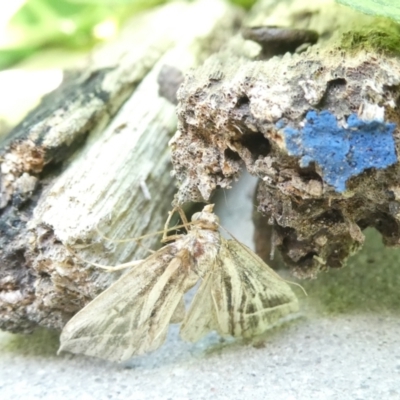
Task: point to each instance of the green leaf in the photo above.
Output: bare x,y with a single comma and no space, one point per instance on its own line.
9,57
385,8
244,3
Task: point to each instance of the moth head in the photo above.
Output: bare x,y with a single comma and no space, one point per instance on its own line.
206,219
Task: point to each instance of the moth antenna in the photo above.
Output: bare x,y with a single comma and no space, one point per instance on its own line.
108,268
293,283
186,224
137,240
144,236
252,254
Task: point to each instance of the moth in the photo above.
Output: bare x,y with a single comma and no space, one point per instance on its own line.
239,295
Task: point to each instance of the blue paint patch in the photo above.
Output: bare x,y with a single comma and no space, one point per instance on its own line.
342,152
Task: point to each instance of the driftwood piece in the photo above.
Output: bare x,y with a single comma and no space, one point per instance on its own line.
94,156
320,127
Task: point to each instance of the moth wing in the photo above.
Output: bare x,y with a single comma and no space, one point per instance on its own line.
249,296
200,319
131,317
179,313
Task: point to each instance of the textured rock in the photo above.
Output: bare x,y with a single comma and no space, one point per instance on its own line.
320,128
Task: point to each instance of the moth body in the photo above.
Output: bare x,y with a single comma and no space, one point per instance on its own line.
239,295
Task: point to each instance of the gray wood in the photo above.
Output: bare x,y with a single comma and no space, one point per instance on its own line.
94,157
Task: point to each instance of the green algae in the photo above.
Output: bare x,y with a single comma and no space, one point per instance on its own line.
383,36
369,283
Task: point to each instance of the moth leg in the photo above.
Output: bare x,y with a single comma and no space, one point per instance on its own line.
171,238
109,268
183,218
185,222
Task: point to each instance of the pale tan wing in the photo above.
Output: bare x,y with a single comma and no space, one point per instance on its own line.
179,313
200,319
132,316
249,296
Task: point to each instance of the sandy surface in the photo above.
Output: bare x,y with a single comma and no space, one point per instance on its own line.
344,344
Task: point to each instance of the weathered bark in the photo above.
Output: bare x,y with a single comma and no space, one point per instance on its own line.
319,127
94,155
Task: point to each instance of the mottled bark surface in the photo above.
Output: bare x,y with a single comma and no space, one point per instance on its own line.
319,127
94,157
